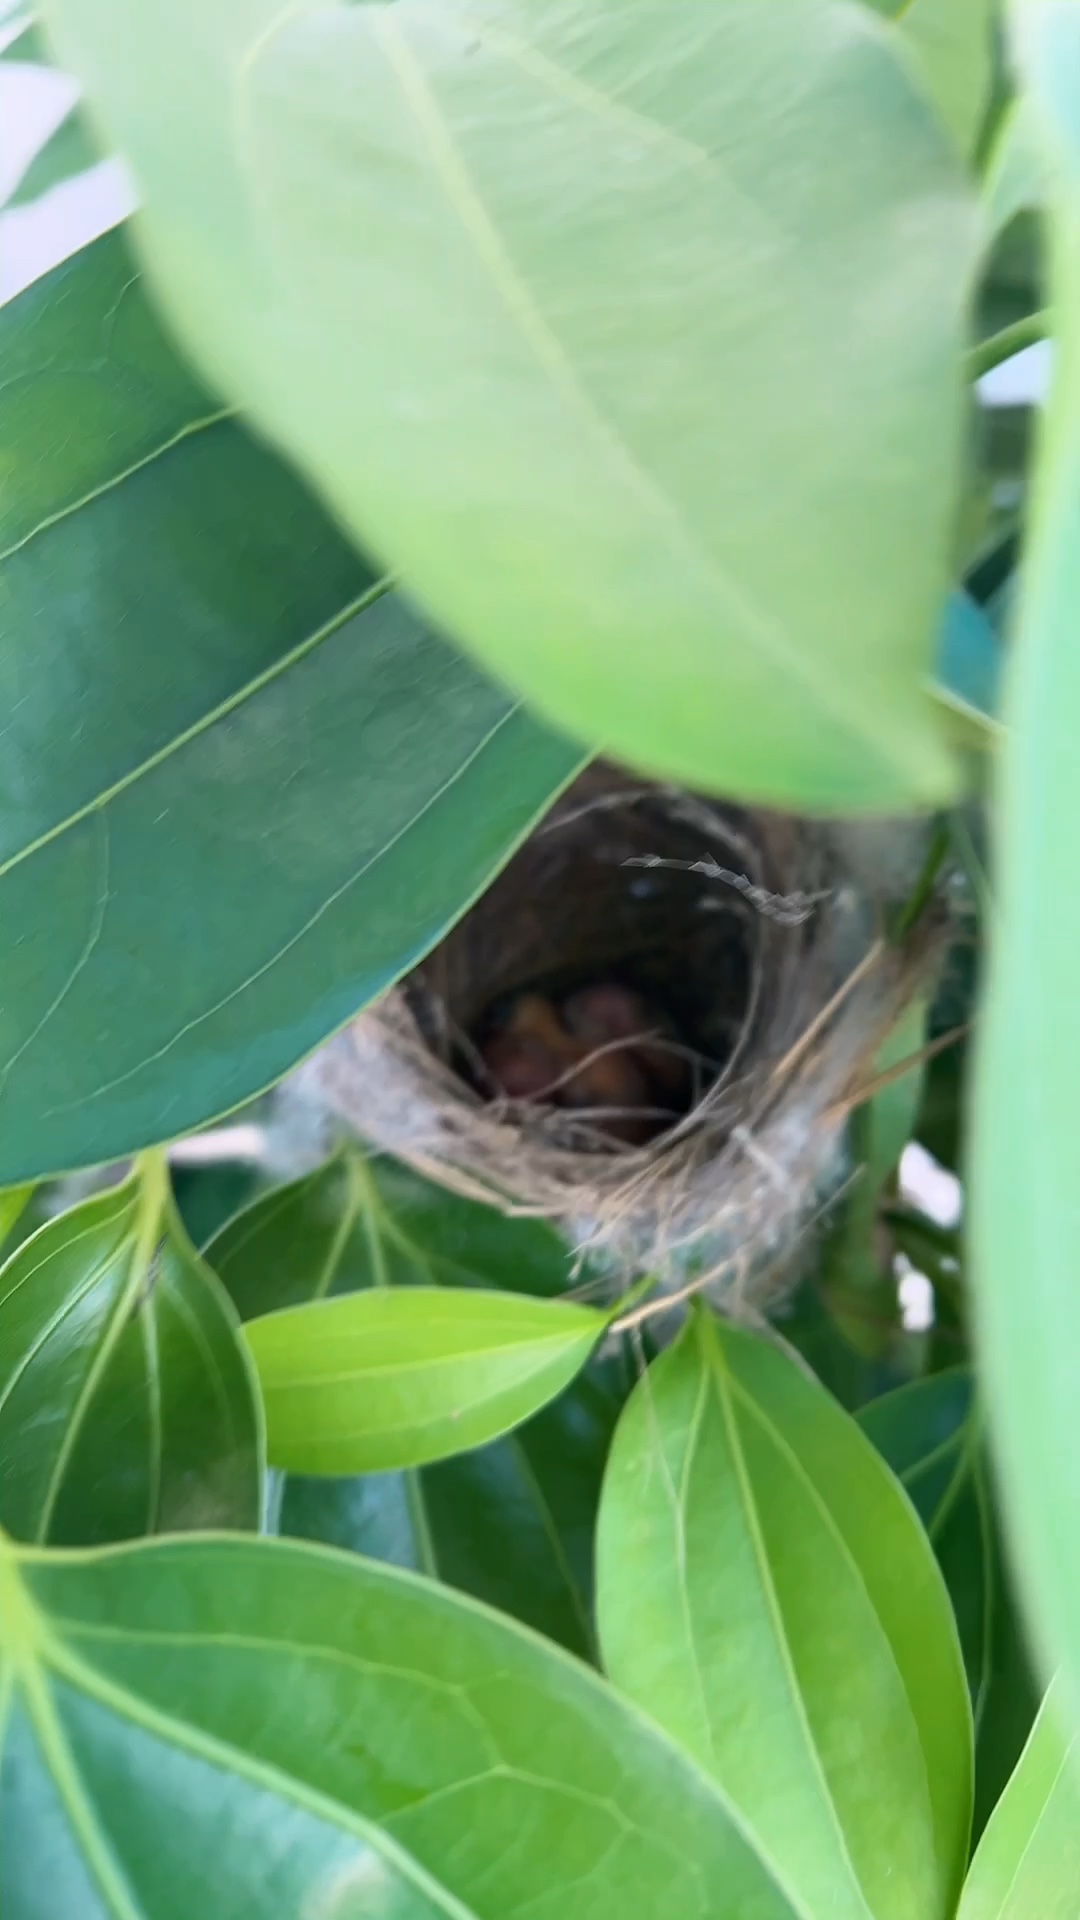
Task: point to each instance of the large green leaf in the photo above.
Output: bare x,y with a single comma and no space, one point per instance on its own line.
254,1730
385,1379
930,1435
127,1405
766,1592
232,806
511,1523
1028,1863
575,312
1026,1201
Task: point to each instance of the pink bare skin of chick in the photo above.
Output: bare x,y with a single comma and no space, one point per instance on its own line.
589,1053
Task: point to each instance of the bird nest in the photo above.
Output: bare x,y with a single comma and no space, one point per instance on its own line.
740,961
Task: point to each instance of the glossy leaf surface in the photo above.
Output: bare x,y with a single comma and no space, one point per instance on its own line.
233,806
1028,1862
766,1593
385,1379
252,1729
931,1437
127,1403
511,1523
1026,1201
542,201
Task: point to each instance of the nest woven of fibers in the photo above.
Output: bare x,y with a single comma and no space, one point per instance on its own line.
757,938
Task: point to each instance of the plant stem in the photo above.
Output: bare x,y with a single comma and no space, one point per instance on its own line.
1001,346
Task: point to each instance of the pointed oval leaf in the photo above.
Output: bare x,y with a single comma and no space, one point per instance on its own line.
1026,1196
929,1433
253,1729
377,1380
766,1592
1028,1861
703,560
127,1401
272,793
511,1523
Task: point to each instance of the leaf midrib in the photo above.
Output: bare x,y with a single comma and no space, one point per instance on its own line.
228,1759
467,204
727,1390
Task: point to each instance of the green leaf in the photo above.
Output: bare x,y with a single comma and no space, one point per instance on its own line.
242,788
1026,1197
766,1593
127,1404
931,1437
1028,1862
251,1730
967,677
511,1523
69,150
377,1380
953,43
1016,173
698,556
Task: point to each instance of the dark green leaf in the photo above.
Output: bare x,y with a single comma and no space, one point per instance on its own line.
511,1523
253,1730
1016,174
68,151
1025,1141
765,1592
1028,1863
930,1436
967,677
396,1378
232,806
127,1404
698,556
853,1370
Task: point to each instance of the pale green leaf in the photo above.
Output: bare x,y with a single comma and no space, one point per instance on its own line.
953,43
1027,1866
765,1591
511,1523
578,315
127,1403
1016,178
252,1730
1026,1202
382,1379
242,786
931,1436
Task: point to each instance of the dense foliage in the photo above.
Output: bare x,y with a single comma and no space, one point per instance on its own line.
363,1552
